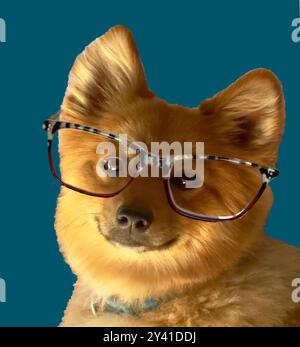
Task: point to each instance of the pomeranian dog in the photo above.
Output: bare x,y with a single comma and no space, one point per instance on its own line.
140,259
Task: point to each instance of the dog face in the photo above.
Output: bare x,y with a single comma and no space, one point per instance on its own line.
134,244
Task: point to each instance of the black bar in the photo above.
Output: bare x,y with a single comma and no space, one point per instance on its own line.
134,336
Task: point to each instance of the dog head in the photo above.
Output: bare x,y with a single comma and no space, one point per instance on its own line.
134,244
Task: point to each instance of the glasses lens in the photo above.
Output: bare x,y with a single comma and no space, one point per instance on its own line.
226,189
88,162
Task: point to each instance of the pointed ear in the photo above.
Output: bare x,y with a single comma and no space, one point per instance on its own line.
108,71
249,113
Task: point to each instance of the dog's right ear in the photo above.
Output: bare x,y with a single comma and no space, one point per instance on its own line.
108,71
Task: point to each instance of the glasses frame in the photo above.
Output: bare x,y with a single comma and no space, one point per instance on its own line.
53,124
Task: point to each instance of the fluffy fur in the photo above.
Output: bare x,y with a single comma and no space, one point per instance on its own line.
220,274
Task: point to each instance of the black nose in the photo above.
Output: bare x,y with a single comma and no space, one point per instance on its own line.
135,219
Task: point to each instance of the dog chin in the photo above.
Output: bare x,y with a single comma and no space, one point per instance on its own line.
137,249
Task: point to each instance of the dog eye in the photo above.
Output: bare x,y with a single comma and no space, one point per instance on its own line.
180,182
112,166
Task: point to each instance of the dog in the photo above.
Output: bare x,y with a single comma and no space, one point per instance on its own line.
181,271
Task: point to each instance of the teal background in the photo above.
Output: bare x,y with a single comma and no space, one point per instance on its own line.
190,50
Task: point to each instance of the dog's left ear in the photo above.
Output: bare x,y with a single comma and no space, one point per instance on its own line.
249,114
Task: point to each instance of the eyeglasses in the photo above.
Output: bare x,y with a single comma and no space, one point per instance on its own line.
231,188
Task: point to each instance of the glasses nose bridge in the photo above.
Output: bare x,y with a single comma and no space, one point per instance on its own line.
163,163
150,160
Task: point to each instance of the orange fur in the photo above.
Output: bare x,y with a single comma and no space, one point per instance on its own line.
224,269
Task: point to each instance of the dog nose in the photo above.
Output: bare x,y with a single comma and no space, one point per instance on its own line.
136,219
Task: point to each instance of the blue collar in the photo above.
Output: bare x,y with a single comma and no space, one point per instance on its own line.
112,304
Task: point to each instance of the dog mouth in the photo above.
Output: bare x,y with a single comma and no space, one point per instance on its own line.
137,246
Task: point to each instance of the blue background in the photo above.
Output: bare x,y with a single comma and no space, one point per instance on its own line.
190,50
